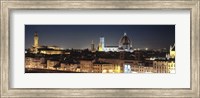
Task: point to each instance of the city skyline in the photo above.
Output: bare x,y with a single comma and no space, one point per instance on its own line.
113,52
81,36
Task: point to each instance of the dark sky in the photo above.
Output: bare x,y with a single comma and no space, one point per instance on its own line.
81,36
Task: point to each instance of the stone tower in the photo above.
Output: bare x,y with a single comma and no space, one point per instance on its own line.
35,43
36,40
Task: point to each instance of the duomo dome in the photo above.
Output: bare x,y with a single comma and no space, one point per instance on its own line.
125,42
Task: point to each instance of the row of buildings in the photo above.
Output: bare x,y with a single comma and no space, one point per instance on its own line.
104,65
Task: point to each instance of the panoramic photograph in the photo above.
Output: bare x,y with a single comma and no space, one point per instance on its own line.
100,49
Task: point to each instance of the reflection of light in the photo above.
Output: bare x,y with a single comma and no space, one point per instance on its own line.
110,71
44,52
104,71
117,70
153,58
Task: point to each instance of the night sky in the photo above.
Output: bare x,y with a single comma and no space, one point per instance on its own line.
81,36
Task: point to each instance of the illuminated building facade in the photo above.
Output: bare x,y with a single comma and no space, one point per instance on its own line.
160,66
72,67
110,68
172,51
32,62
164,66
36,48
125,44
167,65
127,68
101,44
171,66
86,65
104,67
144,69
97,68
51,64
50,50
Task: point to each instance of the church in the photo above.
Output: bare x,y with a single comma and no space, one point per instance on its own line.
125,44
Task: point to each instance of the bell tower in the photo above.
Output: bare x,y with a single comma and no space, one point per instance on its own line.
101,44
36,40
35,43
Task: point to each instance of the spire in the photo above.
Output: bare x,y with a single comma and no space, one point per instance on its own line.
92,42
124,33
